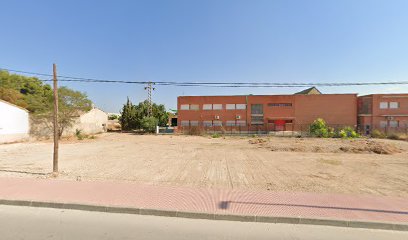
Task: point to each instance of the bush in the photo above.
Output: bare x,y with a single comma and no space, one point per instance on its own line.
348,132
195,130
78,134
377,134
149,124
397,136
215,135
319,129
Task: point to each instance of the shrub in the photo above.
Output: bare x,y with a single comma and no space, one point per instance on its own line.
319,129
195,130
348,132
78,134
113,117
215,135
377,134
397,136
149,124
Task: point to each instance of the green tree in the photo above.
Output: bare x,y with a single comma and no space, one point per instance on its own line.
133,115
27,92
128,116
13,96
71,104
37,97
149,124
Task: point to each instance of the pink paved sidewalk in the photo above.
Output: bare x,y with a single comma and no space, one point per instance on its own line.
259,203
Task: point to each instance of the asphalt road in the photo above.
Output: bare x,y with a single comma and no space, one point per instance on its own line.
42,223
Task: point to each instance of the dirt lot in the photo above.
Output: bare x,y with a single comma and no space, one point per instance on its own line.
270,163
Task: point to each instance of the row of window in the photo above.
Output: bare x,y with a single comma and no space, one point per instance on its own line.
214,123
392,124
279,104
213,106
255,108
391,105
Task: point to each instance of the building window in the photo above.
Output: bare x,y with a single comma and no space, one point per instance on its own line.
230,106
279,104
257,120
256,109
185,107
235,106
207,106
230,123
240,106
217,123
394,124
217,106
235,123
189,107
241,123
257,114
383,105
383,124
394,105
194,107
207,123
185,123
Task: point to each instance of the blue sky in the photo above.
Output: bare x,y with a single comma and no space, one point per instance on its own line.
219,40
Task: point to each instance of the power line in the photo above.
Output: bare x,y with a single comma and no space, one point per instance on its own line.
209,84
198,84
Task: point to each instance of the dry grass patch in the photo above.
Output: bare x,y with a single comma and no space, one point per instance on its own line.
334,162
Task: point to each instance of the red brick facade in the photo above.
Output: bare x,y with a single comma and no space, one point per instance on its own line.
386,112
266,112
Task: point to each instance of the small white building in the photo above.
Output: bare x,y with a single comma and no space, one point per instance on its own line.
91,122
14,123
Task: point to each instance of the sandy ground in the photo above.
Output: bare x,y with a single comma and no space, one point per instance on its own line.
360,166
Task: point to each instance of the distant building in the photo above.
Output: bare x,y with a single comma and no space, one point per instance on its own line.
310,91
91,122
385,112
266,112
14,123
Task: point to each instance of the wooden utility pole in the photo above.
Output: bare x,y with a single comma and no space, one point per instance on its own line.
56,128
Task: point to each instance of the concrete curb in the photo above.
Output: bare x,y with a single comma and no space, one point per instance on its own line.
212,216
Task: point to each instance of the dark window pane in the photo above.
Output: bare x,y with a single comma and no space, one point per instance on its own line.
256,109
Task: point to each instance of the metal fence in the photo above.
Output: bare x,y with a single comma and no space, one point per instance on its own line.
289,130
386,130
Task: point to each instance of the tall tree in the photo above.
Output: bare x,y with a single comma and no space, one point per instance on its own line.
37,97
128,116
71,104
27,92
136,116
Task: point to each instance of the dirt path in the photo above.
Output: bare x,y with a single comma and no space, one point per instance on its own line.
276,164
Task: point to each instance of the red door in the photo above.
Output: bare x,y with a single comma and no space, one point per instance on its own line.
280,125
